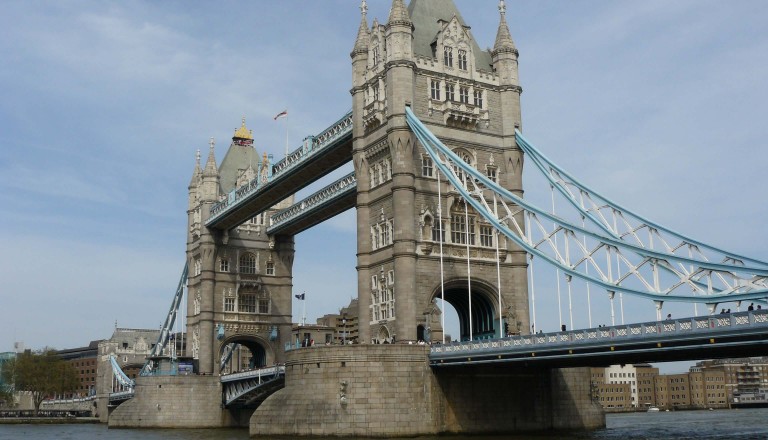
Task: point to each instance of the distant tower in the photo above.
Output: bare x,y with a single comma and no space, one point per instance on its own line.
239,280
425,57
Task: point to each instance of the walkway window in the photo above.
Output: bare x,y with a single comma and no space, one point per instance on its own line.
264,306
462,59
229,304
247,303
427,169
479,98
448,56
248,263
490,171
435,89
449,92
270,267
460,231
464,94
438,234
224,265
486,236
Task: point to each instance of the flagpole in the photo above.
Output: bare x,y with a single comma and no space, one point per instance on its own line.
304,309
286,135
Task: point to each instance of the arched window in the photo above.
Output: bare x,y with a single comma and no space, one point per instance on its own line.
466,157
248,263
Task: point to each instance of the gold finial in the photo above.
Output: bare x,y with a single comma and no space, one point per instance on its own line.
243,132
197,156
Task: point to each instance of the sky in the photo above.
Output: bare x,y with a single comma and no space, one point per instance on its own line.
659,105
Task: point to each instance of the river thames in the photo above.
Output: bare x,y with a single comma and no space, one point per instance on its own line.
740,424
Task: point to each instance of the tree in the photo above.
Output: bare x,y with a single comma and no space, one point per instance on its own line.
41,374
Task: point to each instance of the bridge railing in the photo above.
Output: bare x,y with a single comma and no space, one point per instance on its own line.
712,324
311,146
325,195
268,372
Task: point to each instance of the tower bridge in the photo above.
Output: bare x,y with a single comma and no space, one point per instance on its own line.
435,139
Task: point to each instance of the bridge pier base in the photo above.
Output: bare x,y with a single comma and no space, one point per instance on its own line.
391,391
174,402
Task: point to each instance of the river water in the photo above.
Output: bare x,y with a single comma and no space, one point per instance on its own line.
743,424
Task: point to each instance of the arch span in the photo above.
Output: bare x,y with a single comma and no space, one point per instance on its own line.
242,352
484,310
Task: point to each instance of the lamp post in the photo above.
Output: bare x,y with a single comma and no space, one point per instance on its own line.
344,330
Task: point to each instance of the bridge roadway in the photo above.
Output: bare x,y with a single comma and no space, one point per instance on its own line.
319,156
250,388
739,334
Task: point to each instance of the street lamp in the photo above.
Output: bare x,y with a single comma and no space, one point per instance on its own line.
344,330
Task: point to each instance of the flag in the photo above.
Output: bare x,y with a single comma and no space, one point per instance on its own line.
282,114
301,297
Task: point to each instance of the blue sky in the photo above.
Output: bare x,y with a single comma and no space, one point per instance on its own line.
660,105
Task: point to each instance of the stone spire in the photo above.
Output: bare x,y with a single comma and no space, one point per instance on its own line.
197,173
503,37
210,164
398,13
363,35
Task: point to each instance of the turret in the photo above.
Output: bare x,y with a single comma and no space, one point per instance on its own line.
209,191
197,174
399,32
504,51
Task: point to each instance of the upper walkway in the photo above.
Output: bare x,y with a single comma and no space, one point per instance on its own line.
318,156
737,334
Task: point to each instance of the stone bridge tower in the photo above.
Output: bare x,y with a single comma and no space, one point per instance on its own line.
425,57
239,280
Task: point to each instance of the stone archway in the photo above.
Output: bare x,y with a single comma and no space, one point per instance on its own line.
484,307
383,336
244,352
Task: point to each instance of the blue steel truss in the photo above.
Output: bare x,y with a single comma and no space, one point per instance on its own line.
312,146
598,256
170,321
249,386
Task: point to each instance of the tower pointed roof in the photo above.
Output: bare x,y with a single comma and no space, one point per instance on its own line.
426,16
197,173
363,35
398,13
503,36
210,164
243,133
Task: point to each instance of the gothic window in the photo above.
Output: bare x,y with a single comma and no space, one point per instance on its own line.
376,92
486,236
376,55
381,234
391,278
427,169
448,56
264,306
466,158
387,170
490,171
479,98
438,232
464,94
229,304
270,267
198,266
449,92
375,175
434,88
248,263
247,303
224,265
460,231
462,59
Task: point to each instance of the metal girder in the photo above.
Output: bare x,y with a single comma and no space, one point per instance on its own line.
243,389
613,263
742,333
